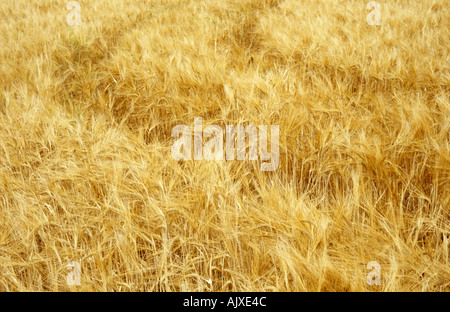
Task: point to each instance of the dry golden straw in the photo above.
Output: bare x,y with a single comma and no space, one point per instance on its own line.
86,173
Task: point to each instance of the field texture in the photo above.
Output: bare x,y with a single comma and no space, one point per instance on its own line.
87,175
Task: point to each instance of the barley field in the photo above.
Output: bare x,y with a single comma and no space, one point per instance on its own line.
89,190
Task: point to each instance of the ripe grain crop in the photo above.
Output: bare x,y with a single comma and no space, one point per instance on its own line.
86,173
